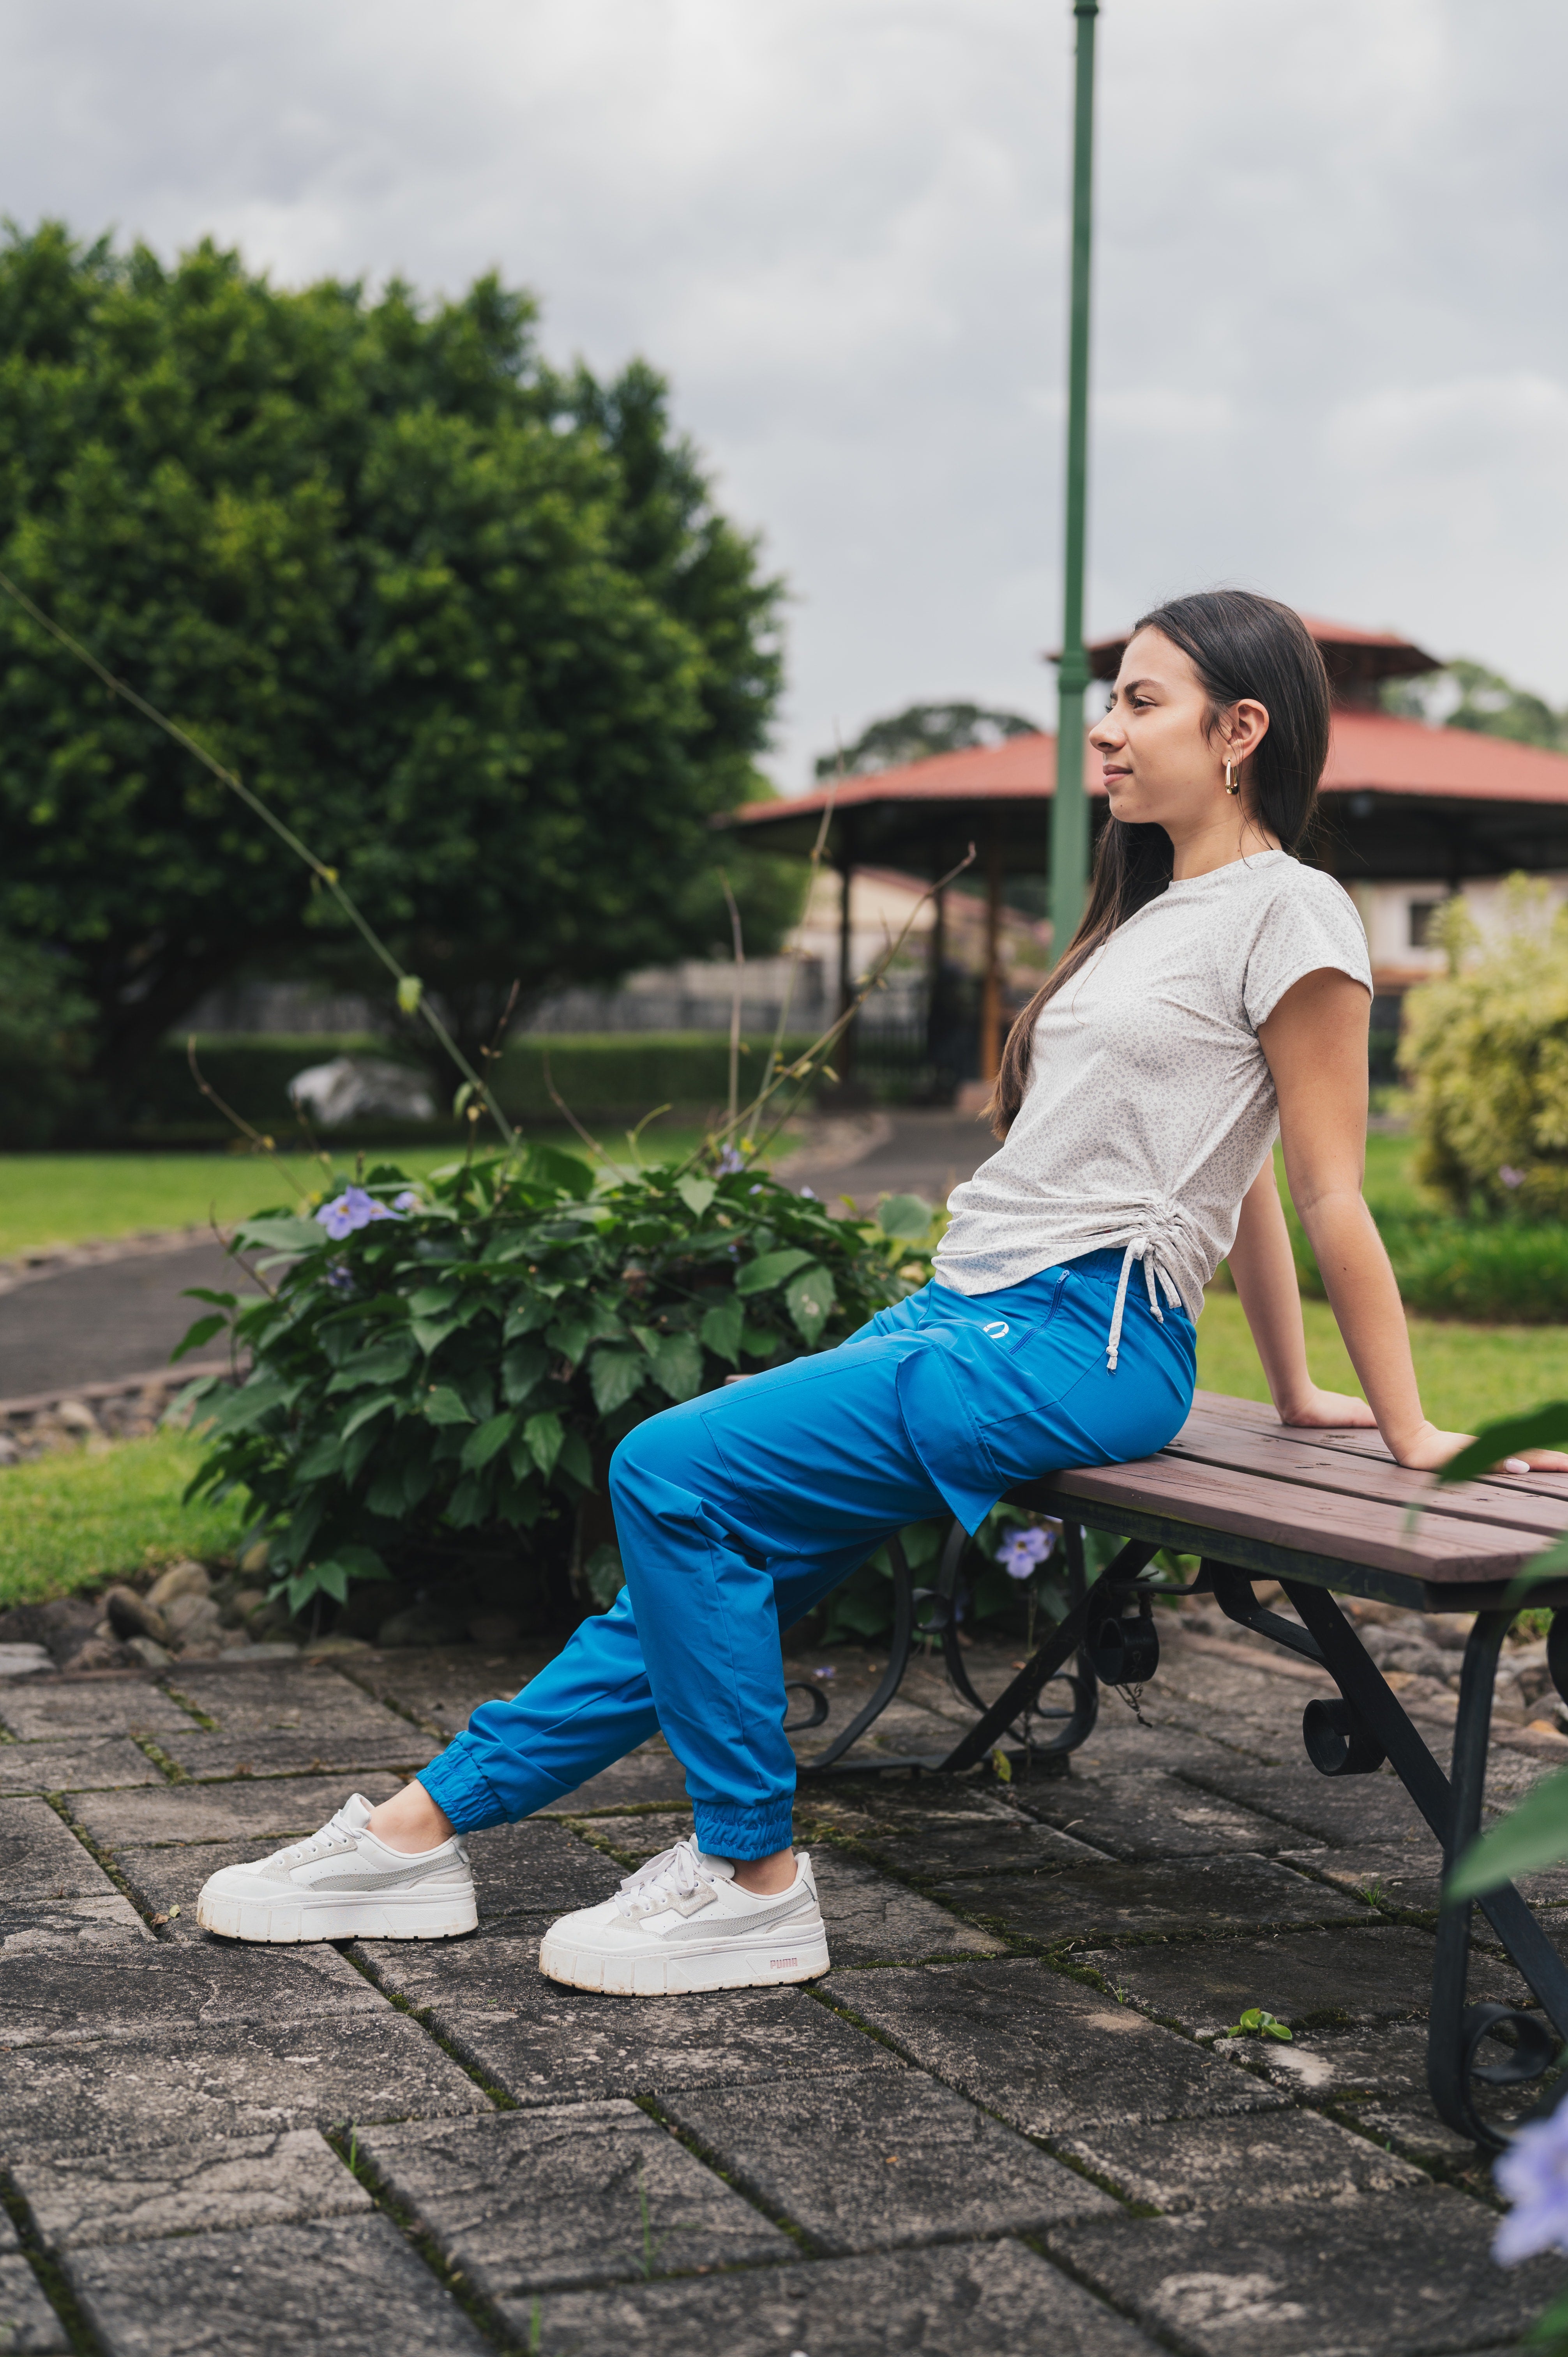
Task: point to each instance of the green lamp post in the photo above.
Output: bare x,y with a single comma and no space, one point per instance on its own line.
1069,809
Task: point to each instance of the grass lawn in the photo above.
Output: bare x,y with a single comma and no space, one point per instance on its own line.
64,1199
1467,1373
66,1522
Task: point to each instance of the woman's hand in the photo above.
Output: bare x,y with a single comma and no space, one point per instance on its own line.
1314,1406
1430,1448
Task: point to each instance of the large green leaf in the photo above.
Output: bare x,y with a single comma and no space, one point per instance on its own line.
283,1233
760,1275
721,1330
809,1300
522,1368
678,1365
367,1412
1532,1836
568,1171
614,1377
1538,1427
202,1331
487,1441
908,1217
443,1406
696,1194
544,1435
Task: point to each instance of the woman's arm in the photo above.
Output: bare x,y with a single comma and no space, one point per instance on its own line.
1263,1269
1315,1042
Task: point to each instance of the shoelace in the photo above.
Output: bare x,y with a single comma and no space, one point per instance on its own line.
1145,1248
677,1873
333,1831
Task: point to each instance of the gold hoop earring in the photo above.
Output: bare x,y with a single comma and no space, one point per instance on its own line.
1229,788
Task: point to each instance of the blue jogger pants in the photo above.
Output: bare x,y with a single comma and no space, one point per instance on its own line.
736,1512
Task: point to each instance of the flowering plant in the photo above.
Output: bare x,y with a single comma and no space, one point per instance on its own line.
449,1366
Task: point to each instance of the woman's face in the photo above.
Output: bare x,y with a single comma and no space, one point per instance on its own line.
1160,766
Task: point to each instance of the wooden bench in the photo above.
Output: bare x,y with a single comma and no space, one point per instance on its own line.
1319,1512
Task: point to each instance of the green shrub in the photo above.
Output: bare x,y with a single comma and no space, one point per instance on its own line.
1497,1272
455,1368
43,1043
1487,1051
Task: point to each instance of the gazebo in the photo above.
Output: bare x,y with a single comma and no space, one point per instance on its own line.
1402,801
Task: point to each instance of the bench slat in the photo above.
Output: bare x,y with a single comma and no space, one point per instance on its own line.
1287,1455
1217,1502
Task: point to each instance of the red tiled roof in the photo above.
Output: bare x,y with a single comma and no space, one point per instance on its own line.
1369,752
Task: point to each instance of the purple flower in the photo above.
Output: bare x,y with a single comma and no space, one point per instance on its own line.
339,1278
407,1201
1510,1176
824,1674
350,1209
809,1194
1533,2173
1023,1551
729,1162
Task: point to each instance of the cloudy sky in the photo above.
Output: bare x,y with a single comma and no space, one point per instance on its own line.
1331,352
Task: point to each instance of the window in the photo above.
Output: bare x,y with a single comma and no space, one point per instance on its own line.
1423,916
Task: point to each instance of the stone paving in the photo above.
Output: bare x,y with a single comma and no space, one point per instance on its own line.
1010,2119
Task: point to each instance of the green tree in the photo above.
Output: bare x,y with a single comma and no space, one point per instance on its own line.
44,1037
922,730
473,628
1487,703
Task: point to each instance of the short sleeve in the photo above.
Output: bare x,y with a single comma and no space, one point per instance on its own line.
1311,924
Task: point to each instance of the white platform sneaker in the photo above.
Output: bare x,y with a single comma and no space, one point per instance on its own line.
343,1884
682,1923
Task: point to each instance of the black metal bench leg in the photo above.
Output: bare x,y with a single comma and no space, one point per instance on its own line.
1454,1813
1457,2029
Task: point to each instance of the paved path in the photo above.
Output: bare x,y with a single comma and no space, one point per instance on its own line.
1010,2119
922,1154
109,1318
123,1316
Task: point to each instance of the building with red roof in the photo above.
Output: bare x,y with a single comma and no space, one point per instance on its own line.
1410,812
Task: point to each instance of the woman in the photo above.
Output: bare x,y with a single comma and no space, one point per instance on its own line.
1216,994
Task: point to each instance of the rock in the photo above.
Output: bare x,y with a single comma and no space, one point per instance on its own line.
193,1618
186,1579
244,1602
75,1416
496,1629
419,1626
151,1656
9,1452
23,1660
130,1615
97,1653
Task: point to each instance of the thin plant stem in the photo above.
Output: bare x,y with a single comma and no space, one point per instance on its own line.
263,1144
813,869
318,868
805,1066
561,1107
734,1003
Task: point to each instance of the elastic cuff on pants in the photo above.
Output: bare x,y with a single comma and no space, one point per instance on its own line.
459,1790
731,1829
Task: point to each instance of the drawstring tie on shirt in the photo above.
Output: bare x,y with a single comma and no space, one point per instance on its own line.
1146,1248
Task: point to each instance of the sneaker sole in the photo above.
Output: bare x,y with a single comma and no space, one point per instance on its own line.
287,1924
682,1975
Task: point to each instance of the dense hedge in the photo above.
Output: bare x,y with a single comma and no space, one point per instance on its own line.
614,1076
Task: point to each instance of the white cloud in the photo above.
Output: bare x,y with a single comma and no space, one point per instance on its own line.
1326,358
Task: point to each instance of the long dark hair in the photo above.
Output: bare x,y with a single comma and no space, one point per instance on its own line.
1239,645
